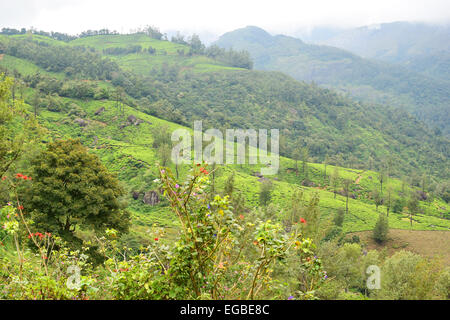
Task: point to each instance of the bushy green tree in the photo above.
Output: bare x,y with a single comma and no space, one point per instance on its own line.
407,275
377,198
265,193
339,217
72,189
229,185
380,232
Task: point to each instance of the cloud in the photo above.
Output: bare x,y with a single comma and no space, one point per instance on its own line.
281,16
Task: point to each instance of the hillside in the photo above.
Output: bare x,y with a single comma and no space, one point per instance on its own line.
419,47
368,80
128,152
225,97
201,231
216,97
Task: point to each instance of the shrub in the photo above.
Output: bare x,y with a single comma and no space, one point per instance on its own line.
380,232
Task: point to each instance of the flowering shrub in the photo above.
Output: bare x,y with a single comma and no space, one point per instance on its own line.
218,255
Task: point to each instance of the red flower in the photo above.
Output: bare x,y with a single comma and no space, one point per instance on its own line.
40,235
156,239
241,217
20,207
19,175
3,178
302,220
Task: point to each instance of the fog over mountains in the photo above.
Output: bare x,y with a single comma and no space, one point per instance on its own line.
398,70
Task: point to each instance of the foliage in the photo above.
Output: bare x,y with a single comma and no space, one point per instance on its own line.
380,232
406,275
71,189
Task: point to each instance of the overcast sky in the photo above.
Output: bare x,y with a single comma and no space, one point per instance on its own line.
215,17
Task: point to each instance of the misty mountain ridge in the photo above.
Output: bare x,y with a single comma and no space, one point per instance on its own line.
366,79
420,47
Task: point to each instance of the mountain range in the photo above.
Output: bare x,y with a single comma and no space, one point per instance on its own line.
368,79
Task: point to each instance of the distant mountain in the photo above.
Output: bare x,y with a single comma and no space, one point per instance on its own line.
426,97
418,46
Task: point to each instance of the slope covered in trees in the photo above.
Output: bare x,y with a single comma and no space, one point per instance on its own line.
349,133
418,46
373,81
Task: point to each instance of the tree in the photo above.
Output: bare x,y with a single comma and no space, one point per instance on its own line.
339,217
13,134
389,191
413,206
305,157
153,32
265,193
36,100
407,275
380,232
383,179
296,157
424,182
72,189
347,184
229,185
197,47
119,95
325,164
335,180
164,152
377,198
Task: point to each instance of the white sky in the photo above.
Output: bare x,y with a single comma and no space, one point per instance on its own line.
215,17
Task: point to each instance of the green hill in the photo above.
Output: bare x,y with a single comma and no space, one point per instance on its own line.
123,102
369,80
128,152
351,134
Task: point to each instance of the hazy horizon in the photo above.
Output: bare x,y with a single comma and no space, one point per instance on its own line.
211,20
